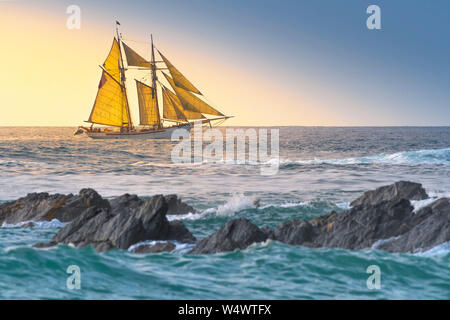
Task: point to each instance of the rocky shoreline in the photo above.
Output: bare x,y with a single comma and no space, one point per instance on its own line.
382,218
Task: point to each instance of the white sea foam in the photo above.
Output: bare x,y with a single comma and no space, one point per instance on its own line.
55,223
179,247
284,205
380,242
433,156
439,250
237,203
187,216
419,204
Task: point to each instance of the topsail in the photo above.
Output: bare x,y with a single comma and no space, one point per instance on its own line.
134,59
178,78
191,102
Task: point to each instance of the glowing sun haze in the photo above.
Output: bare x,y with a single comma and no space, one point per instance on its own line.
266,63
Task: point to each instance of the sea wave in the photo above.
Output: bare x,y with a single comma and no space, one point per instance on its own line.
431,156
440,250
52,224
179,247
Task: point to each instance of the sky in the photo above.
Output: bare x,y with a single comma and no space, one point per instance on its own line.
266,62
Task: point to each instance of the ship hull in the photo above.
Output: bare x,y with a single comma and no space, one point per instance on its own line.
164,133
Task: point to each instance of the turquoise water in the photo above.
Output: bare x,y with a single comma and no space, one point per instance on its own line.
321,169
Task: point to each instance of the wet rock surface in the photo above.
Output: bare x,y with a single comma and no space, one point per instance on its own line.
115,228
236,234
45,207
399,190
176,206
383,218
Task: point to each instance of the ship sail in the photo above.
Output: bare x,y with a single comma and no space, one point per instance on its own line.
110,106
112,62
178,78
134,59
172,108
182,103
148,107
191,102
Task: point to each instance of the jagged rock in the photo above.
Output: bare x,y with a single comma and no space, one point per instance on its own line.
65,208
42,206
377,218
108,228
294,232
361,226
179,232
155,248
398,190
236,234
176,206
125,203
431,228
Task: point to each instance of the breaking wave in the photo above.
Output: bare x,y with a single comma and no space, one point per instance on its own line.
53,224
433,156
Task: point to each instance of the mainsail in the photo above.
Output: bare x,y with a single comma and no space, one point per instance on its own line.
134,59
110,107
190,102
148,107
178,78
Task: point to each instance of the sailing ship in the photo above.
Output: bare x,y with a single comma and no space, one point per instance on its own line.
181,103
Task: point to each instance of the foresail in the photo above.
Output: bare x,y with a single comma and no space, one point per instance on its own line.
178,78
191,102
110,106
187,114
134,59
112,62
148,108
171,110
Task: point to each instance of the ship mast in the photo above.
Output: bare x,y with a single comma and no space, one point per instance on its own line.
154,76
122,80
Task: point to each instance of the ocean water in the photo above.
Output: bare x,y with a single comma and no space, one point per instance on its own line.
320,169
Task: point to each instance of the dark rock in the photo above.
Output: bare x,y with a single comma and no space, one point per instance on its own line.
360,227
236,234
42,206
27,225
268,232
108,228
41,245
295,232
126,203
382,218
176,206
431,227
155,248
179,232
398,190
